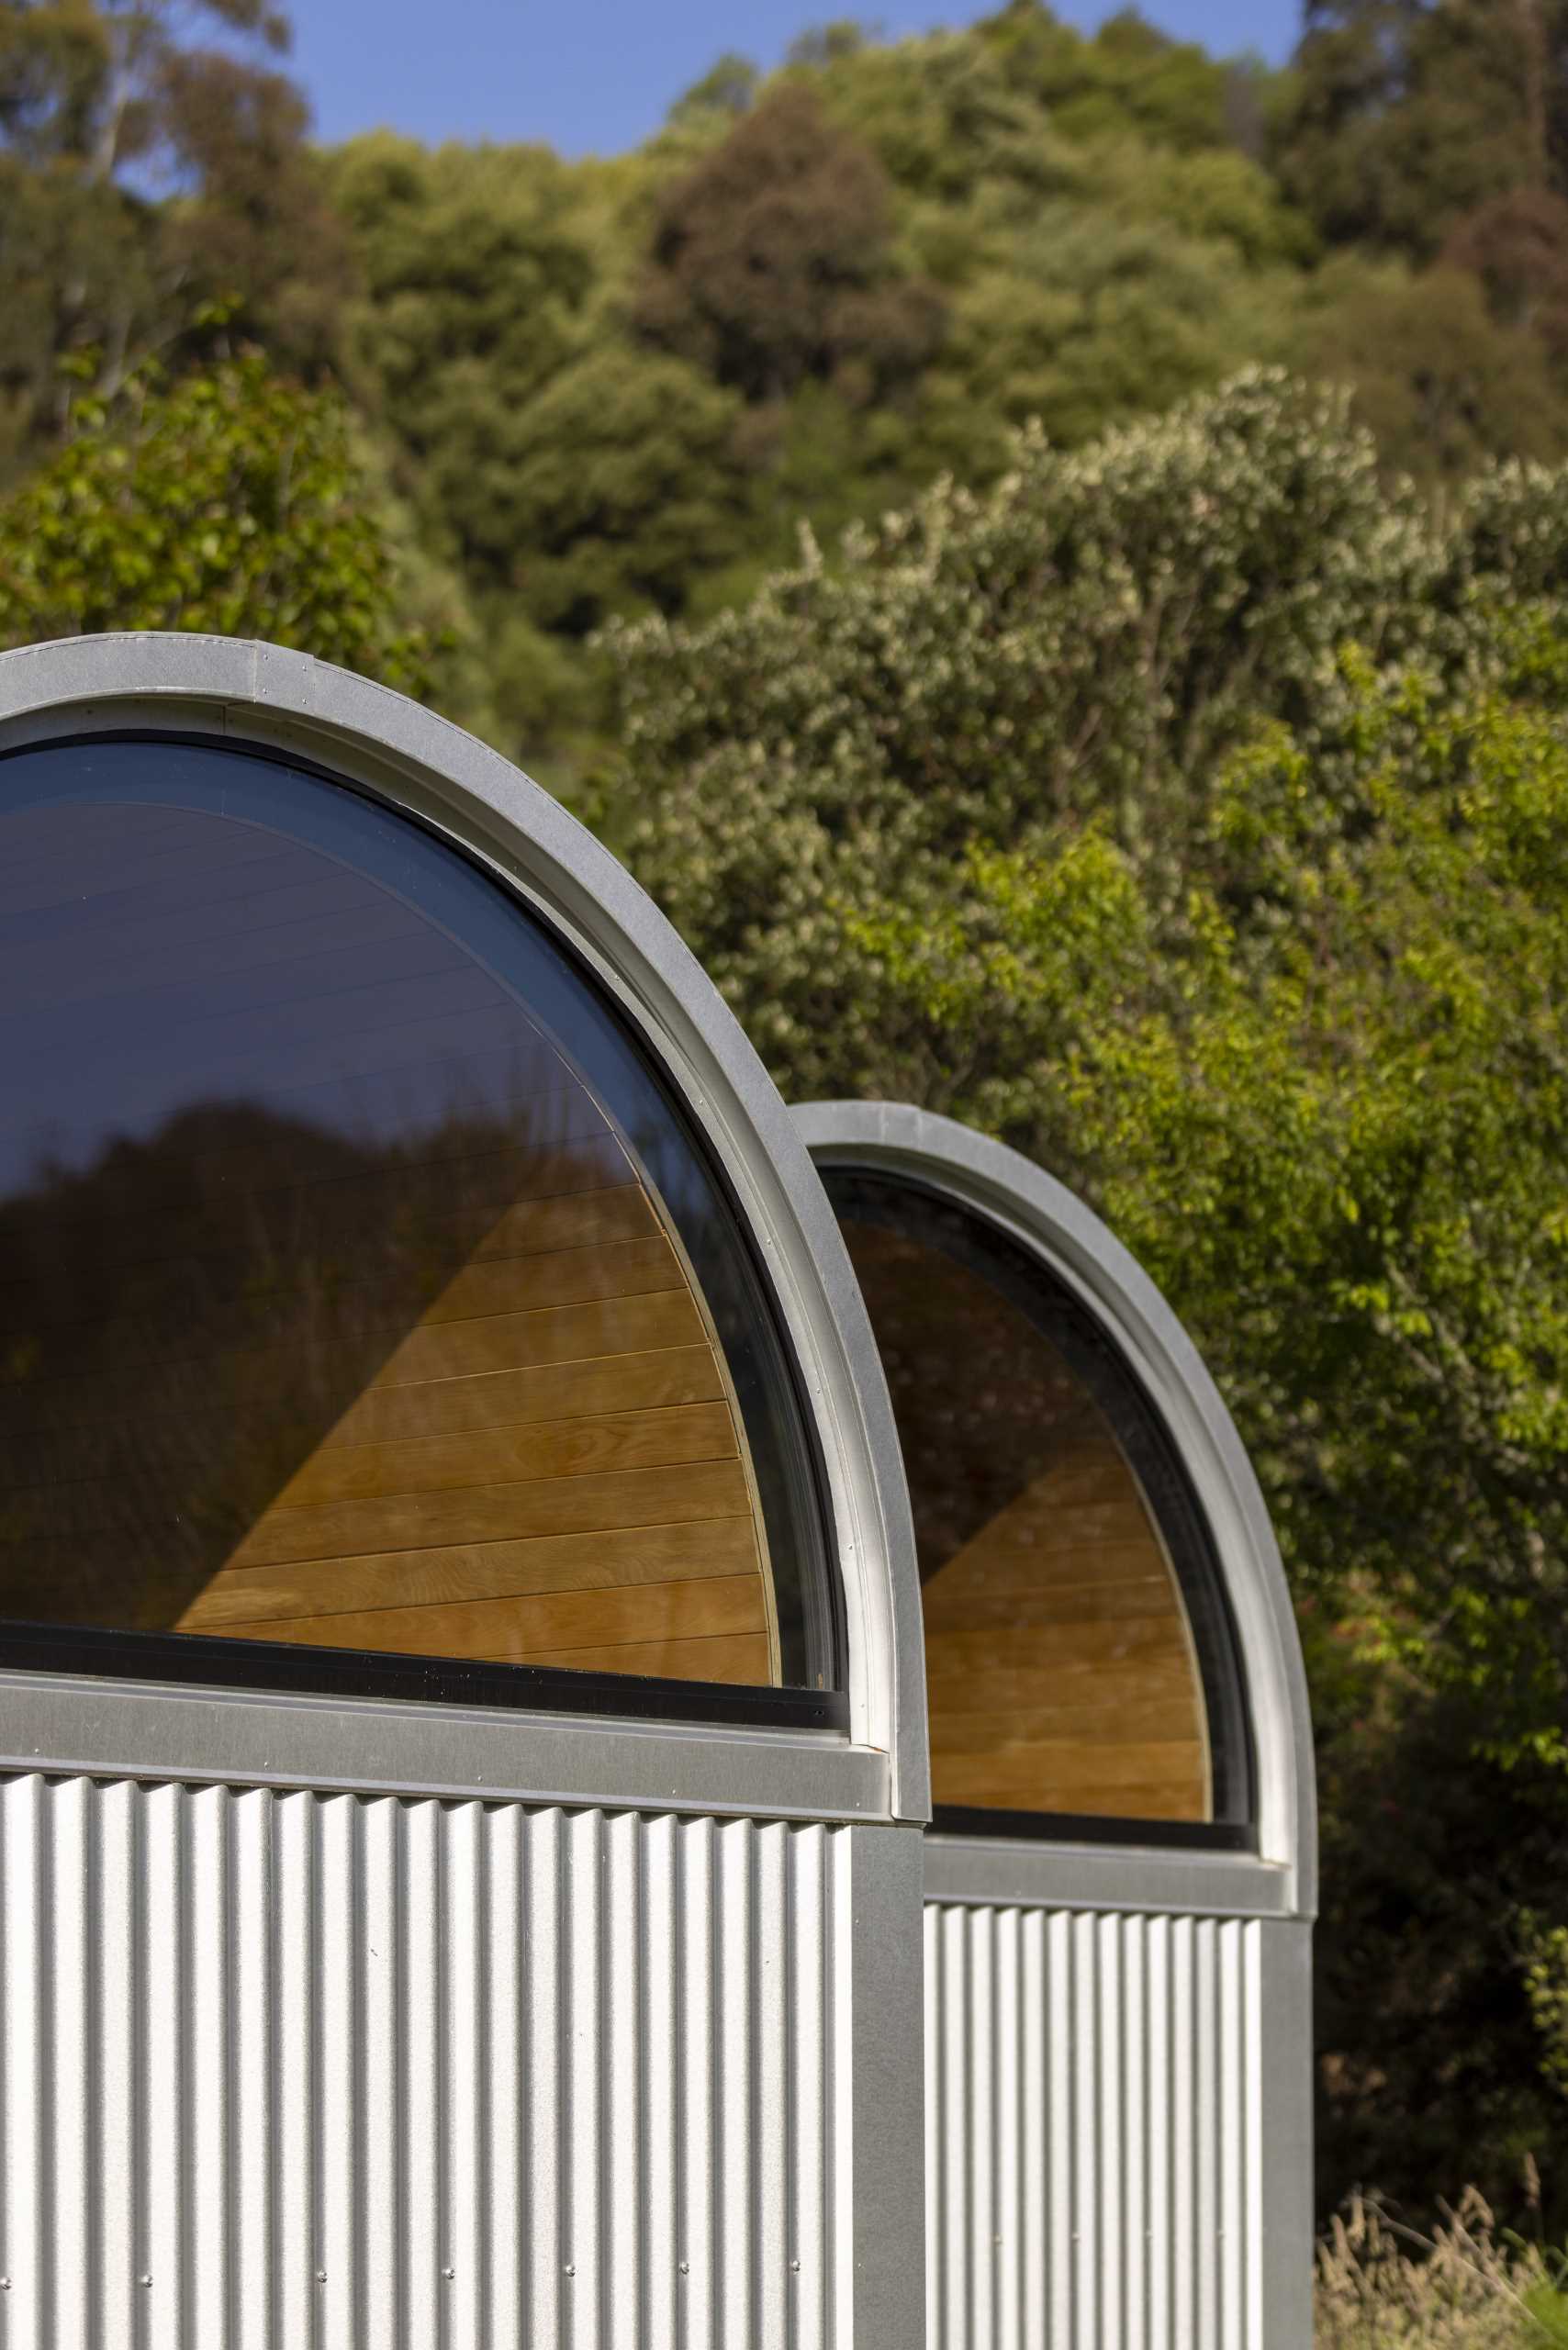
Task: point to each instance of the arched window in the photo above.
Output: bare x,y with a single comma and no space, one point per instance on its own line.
370,1298
1083,1669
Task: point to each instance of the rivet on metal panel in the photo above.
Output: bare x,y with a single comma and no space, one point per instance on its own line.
144,2281
570,2269
686,2267
449,2273
320,2276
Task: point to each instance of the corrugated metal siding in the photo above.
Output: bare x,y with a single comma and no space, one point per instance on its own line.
293,2072
1093,2130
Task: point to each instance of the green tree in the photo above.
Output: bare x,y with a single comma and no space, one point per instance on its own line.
1128,77
1192,810
1089,636
1409,114
772,265
142,174
476,270
625,486
1443,381
230,502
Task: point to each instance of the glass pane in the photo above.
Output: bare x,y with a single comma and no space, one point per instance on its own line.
361,1286
1078,1650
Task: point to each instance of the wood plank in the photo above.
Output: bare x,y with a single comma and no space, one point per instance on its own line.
742,1659
564,1391
1155,1798
579,1220
1082,1602
566,1276
1022,1771
637,1324
623,1557
1036,1531
1137,1711
1006,1689
1158,1801
578,1447
497,1513
518,1630
1048,1648
1119,1517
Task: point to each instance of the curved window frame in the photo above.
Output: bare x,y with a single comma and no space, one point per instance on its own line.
817,1704
1034,1289
859,1753
1273,1866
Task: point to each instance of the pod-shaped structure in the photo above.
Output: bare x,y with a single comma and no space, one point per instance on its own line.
1119,1878
463,1749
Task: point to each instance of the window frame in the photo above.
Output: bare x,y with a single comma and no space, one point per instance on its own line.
1191,1554
862,1748
1051,1859
233,1662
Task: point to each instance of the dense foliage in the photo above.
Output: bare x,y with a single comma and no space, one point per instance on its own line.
1192,811
603,388
229,504
1048,552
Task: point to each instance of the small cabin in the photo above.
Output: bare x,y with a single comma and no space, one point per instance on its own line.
488,1500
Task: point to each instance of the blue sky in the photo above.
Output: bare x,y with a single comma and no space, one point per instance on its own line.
596,75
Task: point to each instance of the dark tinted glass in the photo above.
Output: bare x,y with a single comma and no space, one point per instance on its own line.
1080,1655
362,1286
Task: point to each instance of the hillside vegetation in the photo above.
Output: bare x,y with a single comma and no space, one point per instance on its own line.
1050,556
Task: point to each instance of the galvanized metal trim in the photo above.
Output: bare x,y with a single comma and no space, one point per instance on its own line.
1042,1216
1105,1877
886,1995
291,2069
276,1738
259,694
1279,2154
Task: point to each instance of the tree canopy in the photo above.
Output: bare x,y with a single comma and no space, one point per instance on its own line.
228,503
1192,810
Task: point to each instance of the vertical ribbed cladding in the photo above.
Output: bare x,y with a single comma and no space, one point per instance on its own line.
1093,2116
294,2072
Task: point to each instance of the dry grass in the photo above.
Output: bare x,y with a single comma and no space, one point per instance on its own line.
1382,2286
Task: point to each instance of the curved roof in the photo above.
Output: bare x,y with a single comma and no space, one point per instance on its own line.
250,694
1042,1216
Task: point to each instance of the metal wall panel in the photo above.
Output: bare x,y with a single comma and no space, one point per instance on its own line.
1095,2176
286,2071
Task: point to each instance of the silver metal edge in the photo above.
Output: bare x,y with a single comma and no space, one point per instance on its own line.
1286,2136
888,2102
387,744
1042,1214
1016,1872
60,1723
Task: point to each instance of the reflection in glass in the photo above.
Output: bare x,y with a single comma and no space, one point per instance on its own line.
1077,1651
360,1287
